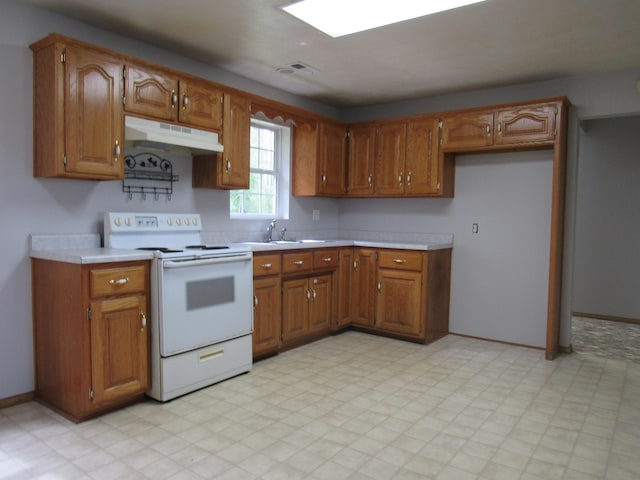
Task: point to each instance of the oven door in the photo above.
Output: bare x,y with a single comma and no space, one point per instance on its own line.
204,301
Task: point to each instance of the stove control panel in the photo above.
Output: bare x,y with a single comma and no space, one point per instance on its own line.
151,222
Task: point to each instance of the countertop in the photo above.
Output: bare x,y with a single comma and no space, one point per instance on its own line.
86,248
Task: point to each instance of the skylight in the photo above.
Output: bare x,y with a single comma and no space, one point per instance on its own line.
343,17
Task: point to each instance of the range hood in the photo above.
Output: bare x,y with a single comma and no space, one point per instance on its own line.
140,132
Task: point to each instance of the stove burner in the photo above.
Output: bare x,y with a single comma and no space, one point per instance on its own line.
159,249
206,247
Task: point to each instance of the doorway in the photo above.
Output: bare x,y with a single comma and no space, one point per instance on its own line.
606,303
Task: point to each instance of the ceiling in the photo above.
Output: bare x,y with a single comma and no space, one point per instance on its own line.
491,44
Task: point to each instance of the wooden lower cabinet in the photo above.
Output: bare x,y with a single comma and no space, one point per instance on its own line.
402,293
91,335
306,306
267,312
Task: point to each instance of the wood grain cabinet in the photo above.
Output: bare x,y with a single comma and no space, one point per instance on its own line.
78,122
231,168
401,293
161,95
319,158
91,335
522,126
361,160
307,306
267,308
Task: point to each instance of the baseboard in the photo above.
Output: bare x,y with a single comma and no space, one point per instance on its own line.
17,399
611,318
497,341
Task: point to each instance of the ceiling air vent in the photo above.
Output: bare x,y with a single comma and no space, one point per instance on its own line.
296,67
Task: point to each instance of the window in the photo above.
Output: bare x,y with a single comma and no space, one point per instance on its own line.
268,193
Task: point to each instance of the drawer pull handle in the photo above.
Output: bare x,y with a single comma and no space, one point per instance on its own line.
399,260
298,262
327,259
308,293
266,266
120,281
255,301
210,355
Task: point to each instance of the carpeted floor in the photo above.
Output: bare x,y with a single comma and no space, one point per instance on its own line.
603,338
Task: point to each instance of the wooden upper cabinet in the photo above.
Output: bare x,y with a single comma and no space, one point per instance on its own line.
423,166
319,158
158,94
390,152
78,125
231,168
526,124
361,160
332,159
467,131
236,138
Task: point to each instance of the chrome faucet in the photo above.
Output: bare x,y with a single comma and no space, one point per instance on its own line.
283,233
272,225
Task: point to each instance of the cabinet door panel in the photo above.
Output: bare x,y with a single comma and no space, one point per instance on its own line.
320,306
234,170
332,158
93,114
295,308
267,315
364,288
152,93
119,348
422,169
360,170
346,280
399,302
466,131
390,159
200,105
526,124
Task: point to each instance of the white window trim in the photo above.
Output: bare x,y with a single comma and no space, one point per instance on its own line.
284,146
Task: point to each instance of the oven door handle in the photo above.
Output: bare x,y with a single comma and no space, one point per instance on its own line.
205,261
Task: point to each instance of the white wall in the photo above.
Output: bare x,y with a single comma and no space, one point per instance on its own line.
607,248
31,205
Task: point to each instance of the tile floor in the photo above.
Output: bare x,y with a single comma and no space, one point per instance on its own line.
359,407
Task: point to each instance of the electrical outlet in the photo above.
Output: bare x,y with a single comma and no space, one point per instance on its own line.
474,228
316,215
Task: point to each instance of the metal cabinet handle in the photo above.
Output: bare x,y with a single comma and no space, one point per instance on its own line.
324,179
174,99
120,281
399,260
499,128
355,264
370,179
409,178
327,259
488,129
315,295
266,266
379,286
117,150
298,262
143,319
308,293
255,301
228,165
185,102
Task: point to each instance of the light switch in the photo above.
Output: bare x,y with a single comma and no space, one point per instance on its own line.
474,228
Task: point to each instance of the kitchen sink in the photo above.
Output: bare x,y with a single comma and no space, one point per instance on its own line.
283,242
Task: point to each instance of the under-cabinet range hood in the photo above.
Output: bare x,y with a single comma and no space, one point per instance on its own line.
143,133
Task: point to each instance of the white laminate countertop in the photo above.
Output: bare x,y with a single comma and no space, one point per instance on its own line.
263,246
92,255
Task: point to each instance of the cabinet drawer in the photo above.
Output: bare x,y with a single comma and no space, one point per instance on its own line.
325,258
400,259
297,262
266,265
117,281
